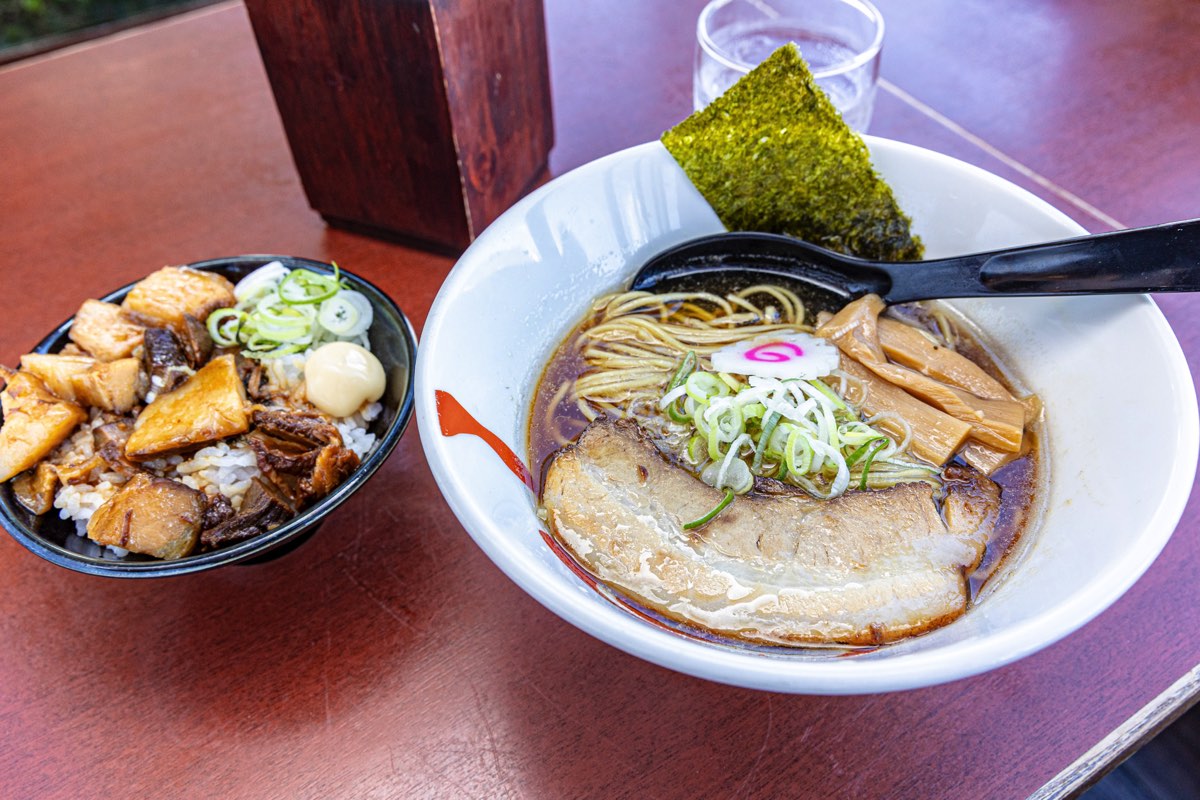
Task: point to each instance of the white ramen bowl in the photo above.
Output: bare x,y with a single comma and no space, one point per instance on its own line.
529,278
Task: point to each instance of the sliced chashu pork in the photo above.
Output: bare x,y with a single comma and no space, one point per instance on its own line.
865,568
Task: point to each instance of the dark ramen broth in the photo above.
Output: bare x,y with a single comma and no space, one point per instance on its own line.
556,420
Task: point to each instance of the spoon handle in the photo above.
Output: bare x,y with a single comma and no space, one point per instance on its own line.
1163,258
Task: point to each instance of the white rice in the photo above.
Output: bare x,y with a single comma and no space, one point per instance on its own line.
79,446
223,468
286,373
78,501
354,430
156,385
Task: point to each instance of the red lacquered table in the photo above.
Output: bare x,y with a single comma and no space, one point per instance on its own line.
388,657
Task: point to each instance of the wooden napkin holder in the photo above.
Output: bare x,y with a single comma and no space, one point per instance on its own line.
417,120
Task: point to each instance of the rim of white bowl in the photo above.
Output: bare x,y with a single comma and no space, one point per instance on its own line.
755,670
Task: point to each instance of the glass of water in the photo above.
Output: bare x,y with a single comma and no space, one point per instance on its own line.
840,40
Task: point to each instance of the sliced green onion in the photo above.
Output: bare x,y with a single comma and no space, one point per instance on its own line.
831,428
777,441
275,333
703,386
686,368
280,312
711,515
278,352
729,381
838,402
272,309
261,281
714,444
732,472
223,325
797,430
797,436
726,426
258,343
338,316
768,428
729,423
304,287
853,458
882,443
677,414
366,312
753,411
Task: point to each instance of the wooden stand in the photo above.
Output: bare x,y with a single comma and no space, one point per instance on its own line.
414,119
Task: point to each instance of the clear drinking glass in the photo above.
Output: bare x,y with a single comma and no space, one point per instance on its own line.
840,40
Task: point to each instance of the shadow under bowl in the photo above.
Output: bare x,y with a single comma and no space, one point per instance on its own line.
393,342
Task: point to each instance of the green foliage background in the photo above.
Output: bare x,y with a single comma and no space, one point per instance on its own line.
24,20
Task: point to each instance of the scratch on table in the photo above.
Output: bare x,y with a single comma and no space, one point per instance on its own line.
391,571
392,516
448,776
356,547
808,729
493,748
761,750
325,665
549,701
362,587
479,784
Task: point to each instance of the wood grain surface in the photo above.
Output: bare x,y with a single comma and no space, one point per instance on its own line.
418,120
369,135
388,657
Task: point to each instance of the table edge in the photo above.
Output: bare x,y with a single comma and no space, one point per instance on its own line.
1107,754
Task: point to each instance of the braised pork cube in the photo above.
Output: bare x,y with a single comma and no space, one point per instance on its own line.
113,433
109,443
35,422
165,297
255,377
217,510
302,454
154,516
165,359
197,343
263,508
334,464
35,489
115,386
209,406
57,371
101,330
109,385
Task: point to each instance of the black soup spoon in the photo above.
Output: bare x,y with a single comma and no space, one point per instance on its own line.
1163,258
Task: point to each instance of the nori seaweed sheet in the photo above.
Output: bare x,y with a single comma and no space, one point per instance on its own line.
772,154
